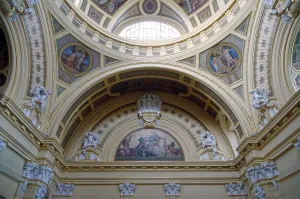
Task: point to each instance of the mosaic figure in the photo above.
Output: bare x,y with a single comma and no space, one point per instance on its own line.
224,59
75,59
149,144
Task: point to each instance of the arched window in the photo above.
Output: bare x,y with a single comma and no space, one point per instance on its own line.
149,30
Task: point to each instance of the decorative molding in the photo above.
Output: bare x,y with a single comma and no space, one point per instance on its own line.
172,190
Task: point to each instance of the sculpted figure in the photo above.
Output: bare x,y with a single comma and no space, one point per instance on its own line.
260,98
39,97
91,140
208,140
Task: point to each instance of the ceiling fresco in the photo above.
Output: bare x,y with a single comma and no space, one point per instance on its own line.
109,6
190,6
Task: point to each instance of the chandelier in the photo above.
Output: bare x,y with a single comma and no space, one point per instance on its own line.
149,106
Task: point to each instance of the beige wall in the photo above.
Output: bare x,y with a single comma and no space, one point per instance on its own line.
11,165
150,192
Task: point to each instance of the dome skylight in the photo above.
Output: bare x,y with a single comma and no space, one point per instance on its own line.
149,30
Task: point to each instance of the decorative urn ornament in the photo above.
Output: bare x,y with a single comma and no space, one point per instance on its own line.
149,107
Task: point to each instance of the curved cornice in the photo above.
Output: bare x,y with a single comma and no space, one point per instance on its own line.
223,98
124,48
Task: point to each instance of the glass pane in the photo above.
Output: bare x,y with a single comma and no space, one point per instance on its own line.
149,30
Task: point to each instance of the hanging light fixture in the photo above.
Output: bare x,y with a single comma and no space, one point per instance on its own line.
149,106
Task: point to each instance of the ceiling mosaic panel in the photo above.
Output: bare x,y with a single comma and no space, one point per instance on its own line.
60,90
240,91
243,27
168,12
191,6
225,59
109,60
109,6
296,53
149,145
189,61
95,15
74,59
57,27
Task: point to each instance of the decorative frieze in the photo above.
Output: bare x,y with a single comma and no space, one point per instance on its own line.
266,170
64,189
297,144
127,189
172,190
149,107
235,189
2,144
33,171
259,192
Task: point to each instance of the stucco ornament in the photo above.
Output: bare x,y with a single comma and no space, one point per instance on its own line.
41,192
90,140
127,189
259,192
208,140
297,144
30,170
24,185
260,98
172,189
64,189
235,189
2,144
34,171
266,170
45,174
39,96
149,107
275,185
